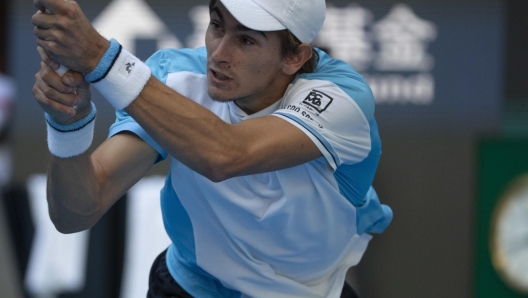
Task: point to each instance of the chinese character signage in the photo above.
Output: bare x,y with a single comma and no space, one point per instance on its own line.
392,52
403,40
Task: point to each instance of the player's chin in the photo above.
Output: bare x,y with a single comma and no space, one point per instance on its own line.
220,95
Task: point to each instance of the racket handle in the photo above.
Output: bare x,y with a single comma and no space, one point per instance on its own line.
61,70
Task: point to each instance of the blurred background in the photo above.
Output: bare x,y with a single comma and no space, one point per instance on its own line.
450,79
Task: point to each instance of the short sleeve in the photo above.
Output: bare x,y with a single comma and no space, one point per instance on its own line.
125,122
331,118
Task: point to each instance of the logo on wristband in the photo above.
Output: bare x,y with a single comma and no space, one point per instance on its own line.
129,66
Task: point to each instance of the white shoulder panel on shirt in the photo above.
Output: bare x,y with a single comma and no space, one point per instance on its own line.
326,111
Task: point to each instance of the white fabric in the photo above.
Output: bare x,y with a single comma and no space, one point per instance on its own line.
350,148
145,235
304,18
124,81
72,143
57,262
230,229
234,221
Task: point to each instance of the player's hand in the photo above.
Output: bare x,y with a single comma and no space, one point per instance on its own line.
66,99
67,35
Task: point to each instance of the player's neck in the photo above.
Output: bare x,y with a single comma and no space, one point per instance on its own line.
263,99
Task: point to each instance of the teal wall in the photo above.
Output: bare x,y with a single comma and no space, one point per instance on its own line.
500,162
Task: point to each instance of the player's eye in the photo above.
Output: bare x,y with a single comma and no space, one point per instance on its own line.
246,41
214,24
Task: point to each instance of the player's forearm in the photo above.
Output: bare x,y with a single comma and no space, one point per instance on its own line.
73,199
215,149
188,131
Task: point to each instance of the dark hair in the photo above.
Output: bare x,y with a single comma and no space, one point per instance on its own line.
290,46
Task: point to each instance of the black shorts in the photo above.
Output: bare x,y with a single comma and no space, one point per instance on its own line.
162,285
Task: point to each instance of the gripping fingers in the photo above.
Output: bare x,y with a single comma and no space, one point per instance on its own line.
53,101
55,109
51,78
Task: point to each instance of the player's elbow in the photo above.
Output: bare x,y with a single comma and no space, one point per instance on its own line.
224,166
217,172
68,222
68,227
217,176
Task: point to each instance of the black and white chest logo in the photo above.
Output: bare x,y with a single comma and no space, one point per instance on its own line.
318,100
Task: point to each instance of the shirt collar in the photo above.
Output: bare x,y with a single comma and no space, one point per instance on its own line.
237,114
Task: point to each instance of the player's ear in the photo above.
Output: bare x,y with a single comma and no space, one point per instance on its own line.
293,62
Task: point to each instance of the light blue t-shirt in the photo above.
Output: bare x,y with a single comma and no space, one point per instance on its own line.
287,233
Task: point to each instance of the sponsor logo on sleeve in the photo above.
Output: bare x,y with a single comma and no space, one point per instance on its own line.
318,100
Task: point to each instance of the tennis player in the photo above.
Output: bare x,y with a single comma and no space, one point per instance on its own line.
273,147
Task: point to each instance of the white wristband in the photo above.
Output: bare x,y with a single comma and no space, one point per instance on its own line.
73,139
124,81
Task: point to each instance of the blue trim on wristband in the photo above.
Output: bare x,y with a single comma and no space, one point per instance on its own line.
78,125
105,64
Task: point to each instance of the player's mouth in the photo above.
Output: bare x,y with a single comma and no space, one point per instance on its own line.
219,77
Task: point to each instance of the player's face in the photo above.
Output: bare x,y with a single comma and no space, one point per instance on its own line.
243,65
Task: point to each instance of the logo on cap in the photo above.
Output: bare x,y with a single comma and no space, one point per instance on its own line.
318,100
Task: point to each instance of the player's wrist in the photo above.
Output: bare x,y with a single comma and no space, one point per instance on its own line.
68,140
119,76
104,64
98,52
81,112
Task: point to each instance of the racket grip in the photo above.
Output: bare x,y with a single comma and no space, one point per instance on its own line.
61,70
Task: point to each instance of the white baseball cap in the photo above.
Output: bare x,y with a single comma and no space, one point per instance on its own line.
304,18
